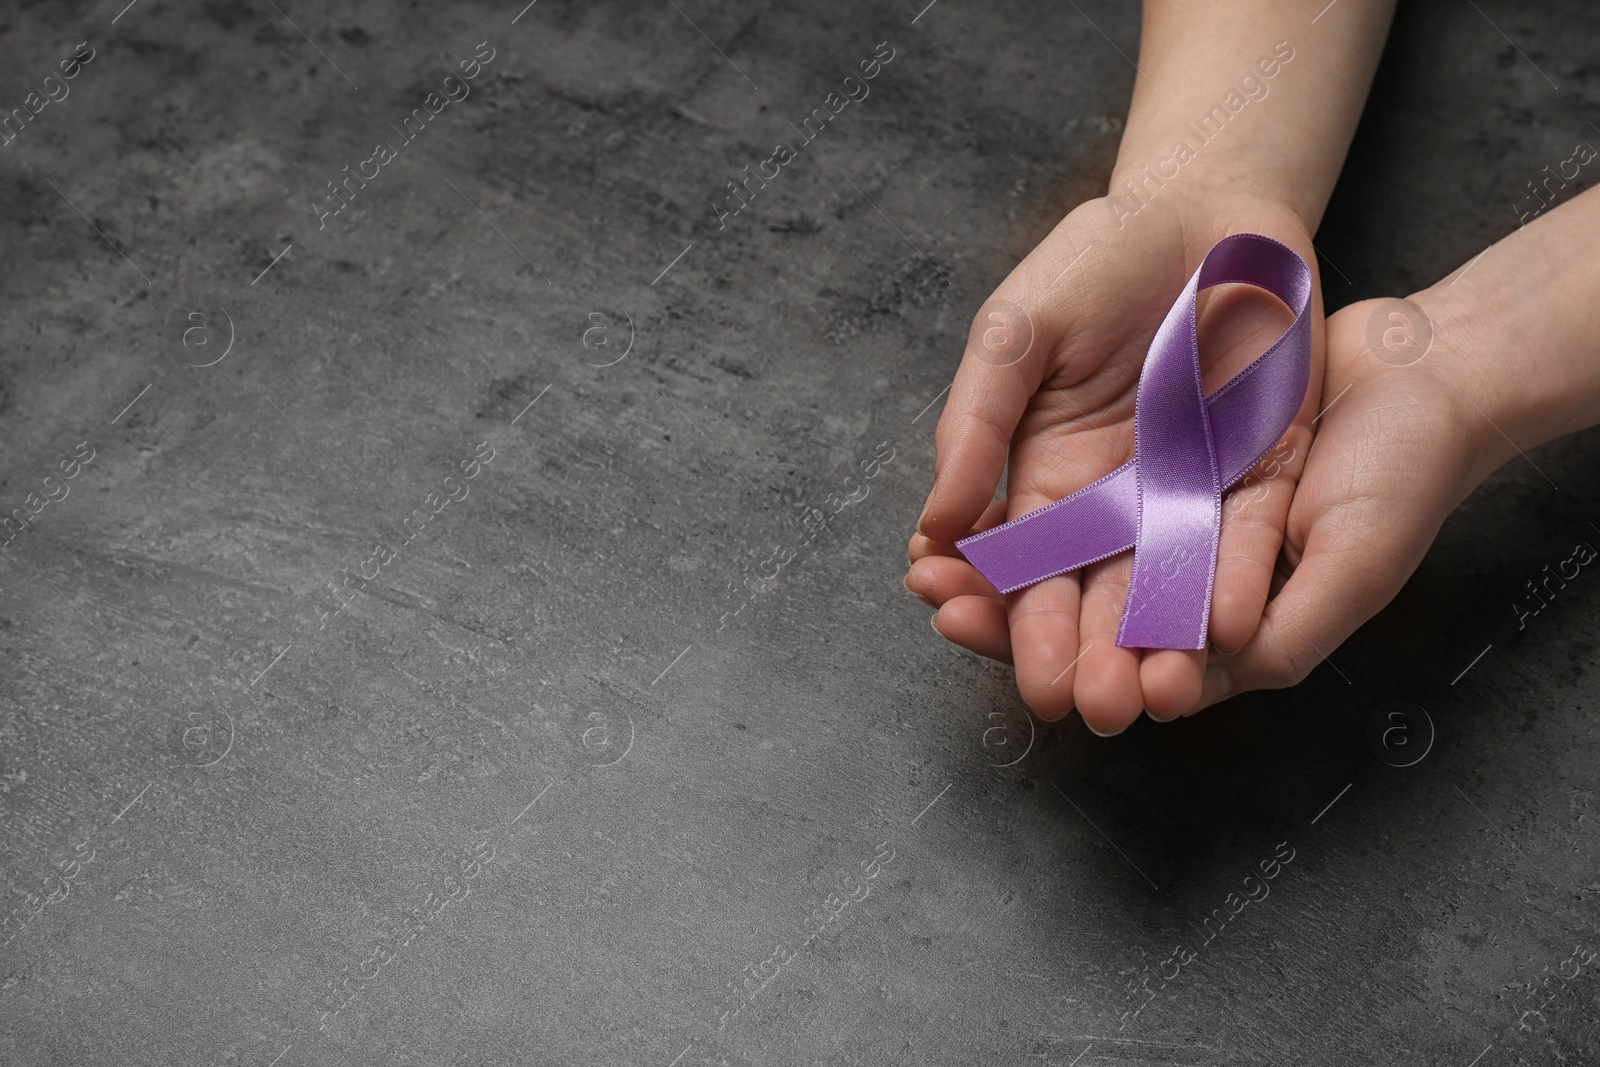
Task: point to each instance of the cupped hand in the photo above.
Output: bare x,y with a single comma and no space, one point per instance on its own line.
1400,446
1045,395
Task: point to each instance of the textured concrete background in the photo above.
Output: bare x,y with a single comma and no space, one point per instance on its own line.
610,764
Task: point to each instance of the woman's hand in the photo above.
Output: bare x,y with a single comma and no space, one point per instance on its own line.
1427,396
1231,129
1398,450
1048,380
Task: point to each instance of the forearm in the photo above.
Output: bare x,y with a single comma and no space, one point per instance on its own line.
1518,330
1232,93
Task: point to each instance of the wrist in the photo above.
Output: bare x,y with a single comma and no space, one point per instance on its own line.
1517,330
1206,207
1476,349
1138,177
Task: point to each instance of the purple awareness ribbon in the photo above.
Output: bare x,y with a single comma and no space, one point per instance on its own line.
1166,503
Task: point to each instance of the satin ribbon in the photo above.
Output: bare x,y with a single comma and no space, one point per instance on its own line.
1166,503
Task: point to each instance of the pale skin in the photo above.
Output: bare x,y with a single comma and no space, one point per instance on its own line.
1353,496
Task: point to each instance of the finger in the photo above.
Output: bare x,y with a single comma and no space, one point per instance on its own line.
976,623
922,546
1006,353
1106,689
1172,680
1327,598
937,580
1043,621
1253,520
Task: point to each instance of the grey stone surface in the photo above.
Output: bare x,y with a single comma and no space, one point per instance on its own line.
554,784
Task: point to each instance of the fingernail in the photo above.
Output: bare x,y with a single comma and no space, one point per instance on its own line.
1153,717
1092,730
934,622
906,581
925,506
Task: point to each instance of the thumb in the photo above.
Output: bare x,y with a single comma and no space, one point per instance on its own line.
1001,369
1352,568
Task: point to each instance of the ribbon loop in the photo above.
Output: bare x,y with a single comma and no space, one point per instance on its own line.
1166,503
